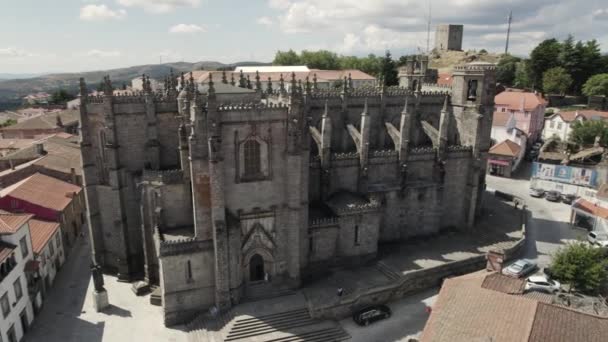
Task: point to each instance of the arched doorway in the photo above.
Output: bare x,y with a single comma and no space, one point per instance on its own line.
256,268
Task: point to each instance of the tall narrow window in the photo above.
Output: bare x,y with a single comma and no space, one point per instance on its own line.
310,244
188,271
252,158
24,249
356,235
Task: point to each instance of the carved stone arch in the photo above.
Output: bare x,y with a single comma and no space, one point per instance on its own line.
267,256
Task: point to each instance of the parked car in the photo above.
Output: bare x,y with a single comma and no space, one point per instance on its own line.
597,238
520,268
553,196
371,314
568,198
536,192
542,283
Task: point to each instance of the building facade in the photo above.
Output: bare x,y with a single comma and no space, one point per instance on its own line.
525,108
207,198
559,125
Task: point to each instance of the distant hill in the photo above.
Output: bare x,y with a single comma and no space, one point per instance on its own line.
446,60
5,76
12,89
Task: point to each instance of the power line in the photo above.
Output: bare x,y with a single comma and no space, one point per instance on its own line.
508,32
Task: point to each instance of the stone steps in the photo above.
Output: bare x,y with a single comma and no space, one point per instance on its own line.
209,329
323,335
387,271
267,324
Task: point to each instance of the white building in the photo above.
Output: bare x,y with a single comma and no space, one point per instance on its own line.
16,255
560,124
137,84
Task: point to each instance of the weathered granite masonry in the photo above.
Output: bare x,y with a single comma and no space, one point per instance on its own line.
203,196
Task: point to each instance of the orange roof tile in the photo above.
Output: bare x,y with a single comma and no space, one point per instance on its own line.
553,323
587,114
10,223
500,118
41,232
591,208
444,79
42,190
506,148
514,100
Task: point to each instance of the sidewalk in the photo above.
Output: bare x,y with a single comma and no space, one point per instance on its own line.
68,313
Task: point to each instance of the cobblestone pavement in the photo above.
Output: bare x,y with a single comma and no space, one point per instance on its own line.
68,314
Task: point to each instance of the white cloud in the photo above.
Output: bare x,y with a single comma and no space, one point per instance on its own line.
279,4
265,21
186,28
13,52
601,13
159,6
102,53
101,13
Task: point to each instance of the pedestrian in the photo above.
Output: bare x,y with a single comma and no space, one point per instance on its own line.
266,277
340,291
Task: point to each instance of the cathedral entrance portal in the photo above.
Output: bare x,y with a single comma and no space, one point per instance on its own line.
256,268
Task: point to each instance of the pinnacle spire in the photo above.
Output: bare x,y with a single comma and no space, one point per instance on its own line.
224,80
211,88
326,111
405,106
445,103
83,87
365,107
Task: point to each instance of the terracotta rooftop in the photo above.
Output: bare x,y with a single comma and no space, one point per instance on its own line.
42,190
202,76
46,121
5,250
10,223
587,114
444,79
466,311
504,284
506,148
591,208
41,232
500,118
515,100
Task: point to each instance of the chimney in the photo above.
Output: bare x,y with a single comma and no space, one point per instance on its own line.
40,149
73,175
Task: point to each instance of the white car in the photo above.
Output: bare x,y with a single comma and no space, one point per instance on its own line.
597,238
542,283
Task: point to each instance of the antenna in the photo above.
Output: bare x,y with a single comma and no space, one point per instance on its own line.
428,31
508,31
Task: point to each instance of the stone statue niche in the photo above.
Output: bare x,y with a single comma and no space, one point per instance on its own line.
472,90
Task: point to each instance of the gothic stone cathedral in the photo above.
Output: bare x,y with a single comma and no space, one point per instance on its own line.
207,191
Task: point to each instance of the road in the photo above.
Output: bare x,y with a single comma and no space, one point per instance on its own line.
547,226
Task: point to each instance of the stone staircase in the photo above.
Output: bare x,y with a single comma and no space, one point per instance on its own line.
287,326
387,271
264,291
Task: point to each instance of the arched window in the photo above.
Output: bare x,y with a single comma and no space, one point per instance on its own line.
252,158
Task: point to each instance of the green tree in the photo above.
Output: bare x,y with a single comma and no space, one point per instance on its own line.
506,69
584,132
542,58
61,96
8,122
389,70
322,59
596,86
286,58
581,266
556,81
522,75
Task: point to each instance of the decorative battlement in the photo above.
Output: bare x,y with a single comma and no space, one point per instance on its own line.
344,155
133,97
165,177
459,148
183,246
384,153
423,150
323,222
353,208
251,106
474,67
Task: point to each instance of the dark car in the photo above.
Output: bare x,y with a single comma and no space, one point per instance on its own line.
371,314
552,196
568,198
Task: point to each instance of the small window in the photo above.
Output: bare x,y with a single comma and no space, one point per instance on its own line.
552,124
6,308
58,241
310,244
503,109
188,271
356,235
51,248
18,289
559,125
24,250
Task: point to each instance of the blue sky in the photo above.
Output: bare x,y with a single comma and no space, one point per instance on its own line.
78,35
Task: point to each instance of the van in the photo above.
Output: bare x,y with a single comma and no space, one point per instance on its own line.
596,237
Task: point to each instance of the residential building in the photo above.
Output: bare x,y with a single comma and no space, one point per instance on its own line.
485,306
37,98
43,125
527,109
49,254
16,281
504,158
49,199
559,125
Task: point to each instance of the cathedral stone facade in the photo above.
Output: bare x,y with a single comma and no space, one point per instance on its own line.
205,191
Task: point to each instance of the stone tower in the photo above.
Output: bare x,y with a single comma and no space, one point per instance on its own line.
449,37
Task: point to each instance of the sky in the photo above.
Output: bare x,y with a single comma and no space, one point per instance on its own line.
41,36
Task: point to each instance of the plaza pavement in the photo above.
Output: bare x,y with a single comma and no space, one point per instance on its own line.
68,314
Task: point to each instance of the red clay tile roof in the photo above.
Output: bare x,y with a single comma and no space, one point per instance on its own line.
500,118
587,114
466,311
514,100
42,190
506,148
202,76
553,323
5,250
10,223
591,208
41,232
444,79
502,283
